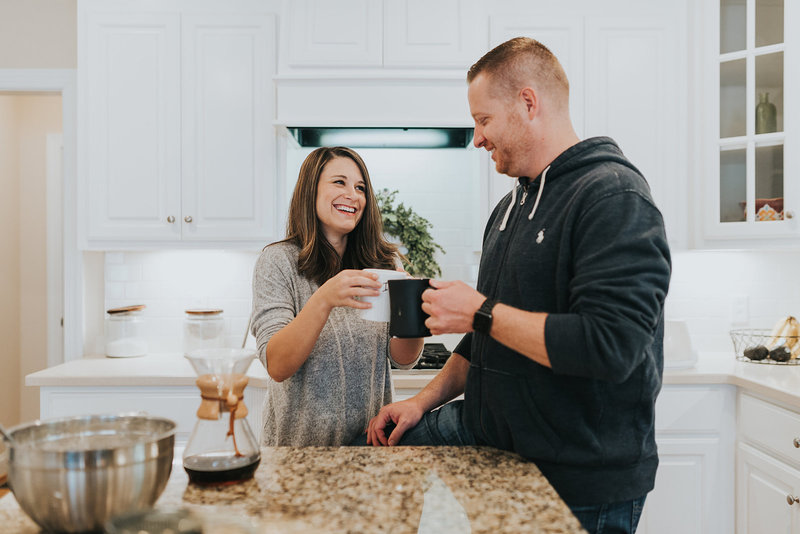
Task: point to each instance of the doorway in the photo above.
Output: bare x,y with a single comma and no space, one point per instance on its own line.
31,245
37,282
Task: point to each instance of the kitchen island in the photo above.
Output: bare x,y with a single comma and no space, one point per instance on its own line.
365,489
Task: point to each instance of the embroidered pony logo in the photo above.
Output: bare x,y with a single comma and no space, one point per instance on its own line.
540,236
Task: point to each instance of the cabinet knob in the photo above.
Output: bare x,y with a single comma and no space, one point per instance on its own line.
796,443
171,219
188,218
789,215
791,499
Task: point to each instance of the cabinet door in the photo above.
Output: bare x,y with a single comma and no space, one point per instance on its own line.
763,486
636,87
695,429
345,33
130,151
228,173
432,33
686,471
752,134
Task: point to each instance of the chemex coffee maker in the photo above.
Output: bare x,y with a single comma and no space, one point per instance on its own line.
222,448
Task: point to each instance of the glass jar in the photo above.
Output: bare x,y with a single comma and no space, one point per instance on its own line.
125,332
203,329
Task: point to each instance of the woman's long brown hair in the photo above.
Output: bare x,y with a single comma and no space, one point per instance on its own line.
366,246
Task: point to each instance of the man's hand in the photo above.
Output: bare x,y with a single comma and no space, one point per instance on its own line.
404,415
451,306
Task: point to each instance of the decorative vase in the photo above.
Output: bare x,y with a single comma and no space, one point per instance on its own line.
765,115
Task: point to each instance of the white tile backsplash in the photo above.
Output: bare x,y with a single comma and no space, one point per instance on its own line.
701,292
704,284
169,282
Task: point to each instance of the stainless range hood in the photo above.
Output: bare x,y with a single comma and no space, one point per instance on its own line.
383,137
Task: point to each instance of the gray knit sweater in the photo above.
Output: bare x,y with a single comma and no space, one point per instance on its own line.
346,378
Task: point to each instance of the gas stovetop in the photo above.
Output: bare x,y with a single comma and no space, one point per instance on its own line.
434,355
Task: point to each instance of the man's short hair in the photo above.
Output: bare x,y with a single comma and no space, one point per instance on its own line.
520,62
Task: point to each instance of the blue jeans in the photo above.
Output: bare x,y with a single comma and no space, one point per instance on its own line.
613,518
442,426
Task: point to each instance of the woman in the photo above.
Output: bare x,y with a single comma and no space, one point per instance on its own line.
330,368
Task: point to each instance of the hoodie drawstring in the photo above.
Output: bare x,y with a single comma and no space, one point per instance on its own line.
538,194
510,206
514,198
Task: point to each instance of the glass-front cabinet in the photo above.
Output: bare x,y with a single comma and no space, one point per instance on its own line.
752,138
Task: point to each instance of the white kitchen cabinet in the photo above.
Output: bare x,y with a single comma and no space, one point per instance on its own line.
763,486
228,172
440,33
392,33
346,33
628,80
750,151
695,429
767,468
129,153
178,143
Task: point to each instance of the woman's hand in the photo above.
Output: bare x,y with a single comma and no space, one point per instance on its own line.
289,348
345,288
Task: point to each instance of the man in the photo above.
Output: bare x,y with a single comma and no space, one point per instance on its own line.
563,355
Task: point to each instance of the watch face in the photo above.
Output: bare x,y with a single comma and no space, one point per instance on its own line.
482,320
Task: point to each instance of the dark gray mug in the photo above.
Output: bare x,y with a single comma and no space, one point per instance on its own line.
405,300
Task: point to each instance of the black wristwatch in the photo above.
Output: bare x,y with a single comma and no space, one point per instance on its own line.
482,320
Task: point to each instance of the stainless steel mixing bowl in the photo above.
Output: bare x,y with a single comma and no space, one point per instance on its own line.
73,474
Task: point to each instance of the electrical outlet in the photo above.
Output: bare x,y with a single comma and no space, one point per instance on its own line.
740,313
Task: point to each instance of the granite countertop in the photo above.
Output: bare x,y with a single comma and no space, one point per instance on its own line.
365,489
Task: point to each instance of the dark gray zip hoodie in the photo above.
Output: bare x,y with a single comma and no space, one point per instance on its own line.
593,254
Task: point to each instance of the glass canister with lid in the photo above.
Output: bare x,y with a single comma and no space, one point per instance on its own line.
125,332
203,329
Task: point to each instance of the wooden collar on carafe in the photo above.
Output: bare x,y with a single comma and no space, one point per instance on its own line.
214,392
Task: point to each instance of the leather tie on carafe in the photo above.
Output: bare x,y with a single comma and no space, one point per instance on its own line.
217,399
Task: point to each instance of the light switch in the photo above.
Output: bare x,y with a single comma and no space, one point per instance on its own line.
740,313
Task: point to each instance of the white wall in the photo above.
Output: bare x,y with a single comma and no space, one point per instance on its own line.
9,262
706,282
38,34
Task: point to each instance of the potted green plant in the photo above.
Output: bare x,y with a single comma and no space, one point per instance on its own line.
413,232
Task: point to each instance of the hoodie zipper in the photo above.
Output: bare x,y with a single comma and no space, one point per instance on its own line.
494,289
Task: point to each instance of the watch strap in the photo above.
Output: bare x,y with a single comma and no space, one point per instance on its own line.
482,320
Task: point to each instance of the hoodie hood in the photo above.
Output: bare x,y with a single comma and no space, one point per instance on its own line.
582,154
587,153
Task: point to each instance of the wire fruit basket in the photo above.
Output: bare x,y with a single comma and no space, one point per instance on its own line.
760,346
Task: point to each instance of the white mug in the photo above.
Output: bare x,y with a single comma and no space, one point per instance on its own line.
380,310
